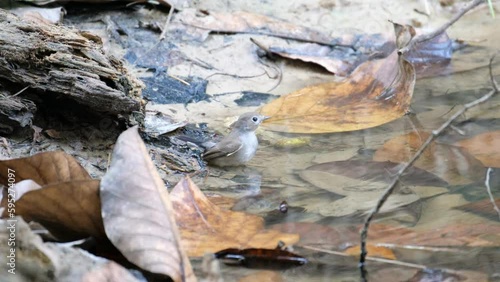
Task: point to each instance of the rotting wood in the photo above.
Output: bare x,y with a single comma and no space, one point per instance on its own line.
54,59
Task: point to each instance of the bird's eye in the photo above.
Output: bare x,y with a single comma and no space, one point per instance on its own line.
255,119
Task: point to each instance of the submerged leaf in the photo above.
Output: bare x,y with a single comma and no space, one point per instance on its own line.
378,171
484,208
450,163
485,147
362,182
137,212
431,57
207,228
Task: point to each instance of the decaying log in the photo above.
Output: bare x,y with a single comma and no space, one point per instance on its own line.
57,60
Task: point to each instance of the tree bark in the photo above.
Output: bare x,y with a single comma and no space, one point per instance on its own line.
57,60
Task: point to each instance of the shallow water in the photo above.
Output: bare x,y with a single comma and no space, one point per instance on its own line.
426,229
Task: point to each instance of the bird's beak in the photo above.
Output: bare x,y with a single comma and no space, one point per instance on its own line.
265,118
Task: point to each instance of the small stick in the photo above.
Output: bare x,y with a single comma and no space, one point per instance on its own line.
167,22
179,79
488,188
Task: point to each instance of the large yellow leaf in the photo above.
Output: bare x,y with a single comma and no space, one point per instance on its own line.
377,92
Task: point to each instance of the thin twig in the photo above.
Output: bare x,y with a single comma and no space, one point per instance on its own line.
167,22
488,188
21,91
392,186
428,36
179,79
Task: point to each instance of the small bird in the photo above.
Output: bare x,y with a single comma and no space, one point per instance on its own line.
239,146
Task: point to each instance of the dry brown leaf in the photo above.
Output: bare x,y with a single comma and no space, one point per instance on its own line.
377,92
207,228
340,61
69,210
485,147
44,168
450,163
137,212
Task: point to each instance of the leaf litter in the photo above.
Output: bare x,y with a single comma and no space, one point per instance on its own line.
450,181
132,194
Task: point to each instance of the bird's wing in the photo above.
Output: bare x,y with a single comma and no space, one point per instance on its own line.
221,149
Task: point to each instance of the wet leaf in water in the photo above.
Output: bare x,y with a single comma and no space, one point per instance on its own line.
397,274
43,168
431,57
362,182
69,210
363,203
319,234
470,235
425,275
485,147
484,208
347,186
376,93
378,171
206,228
450,163
261,258
363,192
137,212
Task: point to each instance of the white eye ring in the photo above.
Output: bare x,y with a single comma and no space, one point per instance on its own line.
255,119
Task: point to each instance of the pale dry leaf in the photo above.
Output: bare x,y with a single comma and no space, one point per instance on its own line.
137,212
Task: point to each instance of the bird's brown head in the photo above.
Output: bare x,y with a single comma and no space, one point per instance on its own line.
248,122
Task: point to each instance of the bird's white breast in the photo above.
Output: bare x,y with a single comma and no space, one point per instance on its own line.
250,144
